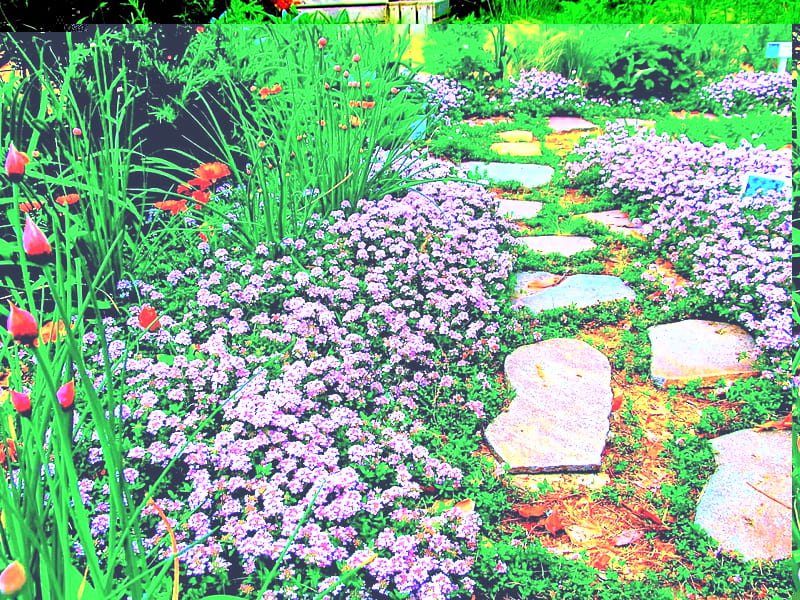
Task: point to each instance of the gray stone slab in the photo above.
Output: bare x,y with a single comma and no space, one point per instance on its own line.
531,281
566,245
569,124
558,421
616,220
518,209
754,522
579,290
696,349
528,175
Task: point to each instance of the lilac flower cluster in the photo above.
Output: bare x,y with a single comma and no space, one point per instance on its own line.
448,94
312,372
690,194
545,87
748,90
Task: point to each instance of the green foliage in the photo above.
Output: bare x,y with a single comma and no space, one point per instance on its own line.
757,128
648,65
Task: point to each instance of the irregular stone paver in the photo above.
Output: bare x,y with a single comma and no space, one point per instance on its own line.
559,419
578,290
528,281
519,209
569,123
616,220
566,245
743,519
695,349
517,148
517,135
528,175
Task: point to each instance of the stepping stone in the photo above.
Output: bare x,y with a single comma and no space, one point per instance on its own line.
517,148
529,281
558,421
528,175
569,123
519,209
566,245
757,524
517,135
616,220
487,121
578,290
695,349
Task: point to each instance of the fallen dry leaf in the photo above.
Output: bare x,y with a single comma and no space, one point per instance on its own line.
582,534
531,510
616,403
784,423
599,560
627,537
545,282
553,523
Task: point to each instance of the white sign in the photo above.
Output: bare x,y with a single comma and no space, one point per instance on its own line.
753,183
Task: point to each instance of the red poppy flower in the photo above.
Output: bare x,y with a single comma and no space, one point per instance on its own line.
34,241
173,206
202,183
52,331
68,199
21,402
284,4
29,205
22,325
276,89
202,198
66,395
210,172
148,319
15,163
365,104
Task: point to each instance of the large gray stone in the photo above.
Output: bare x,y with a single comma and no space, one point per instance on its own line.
519,209
560,124
754,522
580,290
559,419
566,245
695,349
528,175
617,221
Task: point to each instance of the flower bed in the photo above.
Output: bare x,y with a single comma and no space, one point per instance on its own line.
736,247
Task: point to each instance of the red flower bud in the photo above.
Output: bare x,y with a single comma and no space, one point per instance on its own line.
322,42
356,58
22,325
15,163
34,241
12,579
66,395
21,402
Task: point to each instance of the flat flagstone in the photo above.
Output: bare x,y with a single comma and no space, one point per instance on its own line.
529,281
616,220
558,420
580,291
516,135
745,505
517,148
528,175
566,245
569,123
519,209
696,349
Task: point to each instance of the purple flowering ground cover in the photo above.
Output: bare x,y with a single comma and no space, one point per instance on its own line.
355,335
737,249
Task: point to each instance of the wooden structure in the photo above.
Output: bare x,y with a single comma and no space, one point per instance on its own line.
419,12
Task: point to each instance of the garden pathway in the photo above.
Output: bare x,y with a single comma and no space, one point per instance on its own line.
559,419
